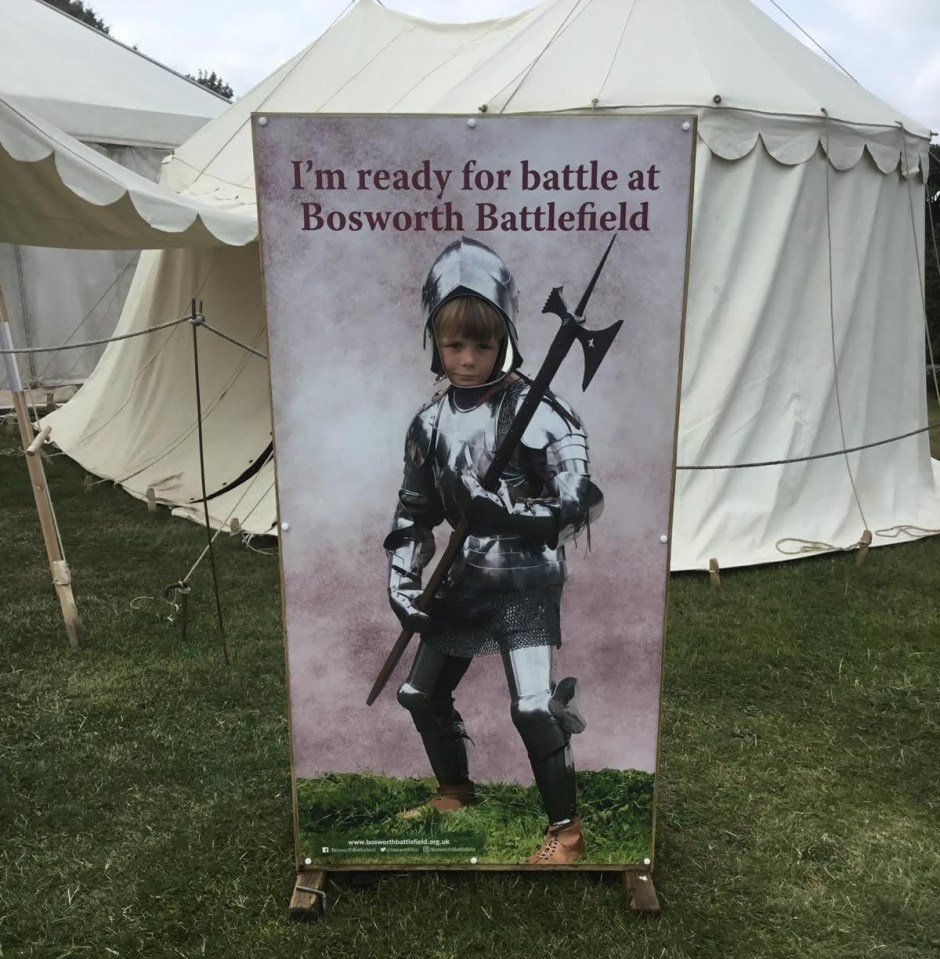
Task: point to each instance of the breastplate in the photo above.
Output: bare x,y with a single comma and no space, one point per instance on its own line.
467,440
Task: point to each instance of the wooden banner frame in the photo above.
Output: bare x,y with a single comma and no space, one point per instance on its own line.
309,896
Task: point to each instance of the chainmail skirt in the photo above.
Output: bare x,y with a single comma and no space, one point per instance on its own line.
478,622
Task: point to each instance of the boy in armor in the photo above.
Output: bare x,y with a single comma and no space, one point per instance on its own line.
503,593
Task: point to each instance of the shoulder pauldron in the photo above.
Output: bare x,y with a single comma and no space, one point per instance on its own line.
420,438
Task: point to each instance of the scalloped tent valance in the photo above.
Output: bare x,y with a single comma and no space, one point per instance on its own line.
733,135
58,192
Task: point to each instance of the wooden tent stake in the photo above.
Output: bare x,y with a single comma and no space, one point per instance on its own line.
61,577
864,543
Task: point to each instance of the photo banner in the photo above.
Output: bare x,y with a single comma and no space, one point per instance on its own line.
354,212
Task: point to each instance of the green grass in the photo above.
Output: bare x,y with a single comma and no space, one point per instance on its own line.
506,825
145,789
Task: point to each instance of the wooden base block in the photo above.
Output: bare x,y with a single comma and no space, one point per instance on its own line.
309,899
640,893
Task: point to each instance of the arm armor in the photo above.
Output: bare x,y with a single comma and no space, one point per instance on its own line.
410,548
560,448
410,543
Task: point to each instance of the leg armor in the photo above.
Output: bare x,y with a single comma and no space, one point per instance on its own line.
428,695
529,674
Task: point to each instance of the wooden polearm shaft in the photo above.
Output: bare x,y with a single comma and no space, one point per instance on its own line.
448,557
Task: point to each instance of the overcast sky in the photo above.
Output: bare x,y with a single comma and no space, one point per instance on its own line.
890,46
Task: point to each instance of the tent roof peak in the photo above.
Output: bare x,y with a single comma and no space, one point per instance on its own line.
724,60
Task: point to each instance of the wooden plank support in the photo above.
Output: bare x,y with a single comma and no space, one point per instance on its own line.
309,899
61,577
640,893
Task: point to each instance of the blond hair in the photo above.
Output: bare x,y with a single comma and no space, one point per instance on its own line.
468,317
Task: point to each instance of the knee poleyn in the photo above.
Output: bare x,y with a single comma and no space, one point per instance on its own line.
413,699
532,711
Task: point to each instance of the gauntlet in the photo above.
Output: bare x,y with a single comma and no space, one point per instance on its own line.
409,549
496,513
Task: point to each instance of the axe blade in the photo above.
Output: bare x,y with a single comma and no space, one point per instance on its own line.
595,344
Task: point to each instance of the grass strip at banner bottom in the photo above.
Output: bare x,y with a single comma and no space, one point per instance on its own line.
338,812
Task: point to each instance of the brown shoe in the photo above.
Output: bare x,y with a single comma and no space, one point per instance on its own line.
562,844
446,799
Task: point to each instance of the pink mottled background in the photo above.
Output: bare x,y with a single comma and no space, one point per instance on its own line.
348,373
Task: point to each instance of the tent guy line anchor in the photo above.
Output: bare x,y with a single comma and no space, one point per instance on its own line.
817,546
180,604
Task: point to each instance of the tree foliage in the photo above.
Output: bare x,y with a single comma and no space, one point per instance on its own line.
214,82
77,9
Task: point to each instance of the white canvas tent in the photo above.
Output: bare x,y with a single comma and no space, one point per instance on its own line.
805,315
131,110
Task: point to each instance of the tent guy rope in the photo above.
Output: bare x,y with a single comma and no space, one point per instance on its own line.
232,339
109,339
814,456
569,17
132,262
813,41
222,525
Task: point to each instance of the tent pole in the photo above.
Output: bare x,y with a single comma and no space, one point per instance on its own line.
197,319
24,308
